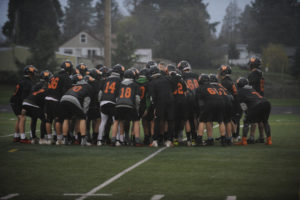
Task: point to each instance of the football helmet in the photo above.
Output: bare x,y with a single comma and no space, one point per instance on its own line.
95,73
46,75
151,64
81,69
241,82
213,78
184,66
224,69
254,63
118,68
203,79
30,70
129,74
67,66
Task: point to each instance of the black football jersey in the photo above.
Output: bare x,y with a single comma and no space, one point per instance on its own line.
80,91
180,91
250,97
59,84
127,93
191,80
229,85
209,94
257,81
37,96
110,88
23,89
161,90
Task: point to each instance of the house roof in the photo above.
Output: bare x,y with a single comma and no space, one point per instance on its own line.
75,41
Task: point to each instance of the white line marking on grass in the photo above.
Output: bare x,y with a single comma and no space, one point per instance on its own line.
13,134
7,135
78,194
231,198
9,196
158,197
119,175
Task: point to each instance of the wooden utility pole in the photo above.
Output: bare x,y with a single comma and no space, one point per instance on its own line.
107,34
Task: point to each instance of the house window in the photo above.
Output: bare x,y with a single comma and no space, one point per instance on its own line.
68,51
91,53
83,38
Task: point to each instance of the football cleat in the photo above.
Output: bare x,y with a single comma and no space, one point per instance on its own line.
269,141
168,143
99,143
194,142
176,143
250,141
42,141
16,139
25,141
243,142
189,143
118,144
49,142
84,142
154,144
59,142
34,140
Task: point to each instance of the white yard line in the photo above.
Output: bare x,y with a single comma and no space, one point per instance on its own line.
231,198
78,194
13,134
158,197
9,196
119,175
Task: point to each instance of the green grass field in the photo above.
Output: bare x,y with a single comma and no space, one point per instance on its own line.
252,172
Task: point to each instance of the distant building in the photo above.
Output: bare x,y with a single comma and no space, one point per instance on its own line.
85,45
243,57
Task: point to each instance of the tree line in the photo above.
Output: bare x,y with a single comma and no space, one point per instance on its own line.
173,29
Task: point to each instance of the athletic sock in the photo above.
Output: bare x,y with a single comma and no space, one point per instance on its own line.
49,136
113,139
23,136
60,137
121,138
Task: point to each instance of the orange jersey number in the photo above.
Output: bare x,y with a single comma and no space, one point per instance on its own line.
143,90
77,88
111,87
179,89
54,83
125,93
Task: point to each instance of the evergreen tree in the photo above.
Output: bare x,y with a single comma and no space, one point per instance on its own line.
79,16
124,52
27,18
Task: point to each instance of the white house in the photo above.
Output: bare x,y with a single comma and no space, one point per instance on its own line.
82,45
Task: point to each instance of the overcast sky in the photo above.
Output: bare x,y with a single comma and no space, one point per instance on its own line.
215,8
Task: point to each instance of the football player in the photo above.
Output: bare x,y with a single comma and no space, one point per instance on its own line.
23,89
180,102
257,109
143,83
107,97
211,110
224,72
257,81
75,102
191,80
93,114
127,107
228,99
162,98
33,106
57,86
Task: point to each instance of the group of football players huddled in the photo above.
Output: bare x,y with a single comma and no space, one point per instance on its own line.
165,100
